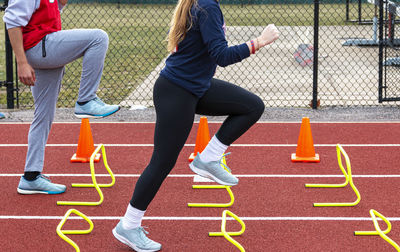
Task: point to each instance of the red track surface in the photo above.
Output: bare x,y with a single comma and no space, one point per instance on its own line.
266,201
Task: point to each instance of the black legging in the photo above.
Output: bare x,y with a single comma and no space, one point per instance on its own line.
175,109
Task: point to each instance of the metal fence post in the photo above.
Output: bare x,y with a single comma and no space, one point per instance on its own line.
315,65
359,11
381,44
9,83
9,73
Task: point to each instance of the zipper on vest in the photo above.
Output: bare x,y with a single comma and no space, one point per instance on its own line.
44,47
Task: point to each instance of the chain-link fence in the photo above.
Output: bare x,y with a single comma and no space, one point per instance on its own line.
283,74
389,54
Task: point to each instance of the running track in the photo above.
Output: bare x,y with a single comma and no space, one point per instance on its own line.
271,198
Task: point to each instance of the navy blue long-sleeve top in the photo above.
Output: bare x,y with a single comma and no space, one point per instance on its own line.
204,47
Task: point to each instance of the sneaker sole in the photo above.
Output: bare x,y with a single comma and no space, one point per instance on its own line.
22,191
208,175
81,116
128,243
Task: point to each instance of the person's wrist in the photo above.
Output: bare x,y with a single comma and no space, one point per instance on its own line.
257,44
259,41
22,62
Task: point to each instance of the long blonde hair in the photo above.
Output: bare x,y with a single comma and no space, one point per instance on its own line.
181,22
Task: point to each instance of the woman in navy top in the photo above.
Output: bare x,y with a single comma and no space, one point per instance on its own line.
184,88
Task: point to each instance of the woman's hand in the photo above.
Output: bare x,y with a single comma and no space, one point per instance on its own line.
269,35
26,74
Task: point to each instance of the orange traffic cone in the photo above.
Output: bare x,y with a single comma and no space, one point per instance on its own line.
202,138
305,146
85,145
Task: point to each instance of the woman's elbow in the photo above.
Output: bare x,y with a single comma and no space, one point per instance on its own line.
222,62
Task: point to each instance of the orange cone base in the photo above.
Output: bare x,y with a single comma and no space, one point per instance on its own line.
191,157
305,159
76,159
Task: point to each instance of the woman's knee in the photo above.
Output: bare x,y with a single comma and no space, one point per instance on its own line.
258,107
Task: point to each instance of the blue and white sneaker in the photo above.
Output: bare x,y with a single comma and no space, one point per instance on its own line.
214,170
95,108
135,238
2,115
41,184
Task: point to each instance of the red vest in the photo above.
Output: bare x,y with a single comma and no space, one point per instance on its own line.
44,20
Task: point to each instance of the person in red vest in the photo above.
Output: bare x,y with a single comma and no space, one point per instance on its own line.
42,49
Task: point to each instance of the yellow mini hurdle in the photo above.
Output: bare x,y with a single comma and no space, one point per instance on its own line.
94,182
63,233
378,231
349,180
228,235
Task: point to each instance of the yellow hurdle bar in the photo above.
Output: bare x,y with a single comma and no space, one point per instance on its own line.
349,180
228,189
228,235
63,233
94,184
346,175
378,231
103,150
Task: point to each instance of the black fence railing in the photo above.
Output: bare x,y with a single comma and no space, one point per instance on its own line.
389,54
9,82
322,57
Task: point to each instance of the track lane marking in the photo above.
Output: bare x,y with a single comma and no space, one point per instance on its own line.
196,218
233,145
220,122
237,175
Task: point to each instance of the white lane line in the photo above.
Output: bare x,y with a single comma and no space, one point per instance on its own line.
199,179
233,145
220,122
74,145
196,218
237,175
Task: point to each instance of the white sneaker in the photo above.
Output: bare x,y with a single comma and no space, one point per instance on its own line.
41,184
213,170
135,238
95,108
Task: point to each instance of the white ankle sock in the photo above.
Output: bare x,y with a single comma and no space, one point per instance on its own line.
213,151
132,218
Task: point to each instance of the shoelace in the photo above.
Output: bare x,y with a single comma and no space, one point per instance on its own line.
223,164
144,230
45,177
144,237
97,99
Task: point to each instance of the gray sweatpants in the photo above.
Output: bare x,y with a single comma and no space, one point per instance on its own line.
62,47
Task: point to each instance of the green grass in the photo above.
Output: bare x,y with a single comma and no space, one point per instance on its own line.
283,14
137,34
